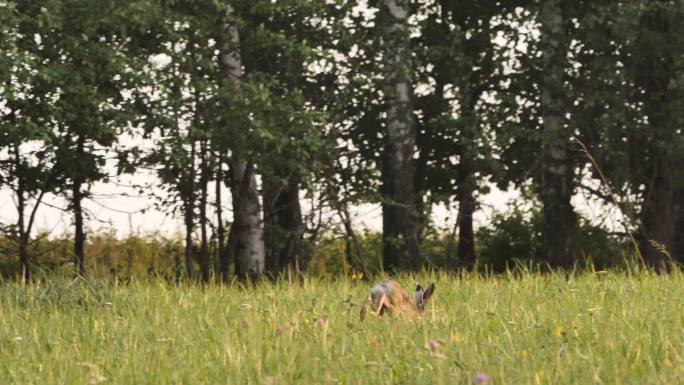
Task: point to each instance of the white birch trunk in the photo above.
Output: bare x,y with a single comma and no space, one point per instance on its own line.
557,169
401,249
249,231
250,250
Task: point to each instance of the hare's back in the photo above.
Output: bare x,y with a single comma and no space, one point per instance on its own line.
390,289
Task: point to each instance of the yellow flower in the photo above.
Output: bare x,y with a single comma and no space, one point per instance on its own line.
558,332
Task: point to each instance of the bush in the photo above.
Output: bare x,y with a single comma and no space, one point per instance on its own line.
516,238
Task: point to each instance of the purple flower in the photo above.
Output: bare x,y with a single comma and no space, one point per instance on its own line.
482,378
280,329
434,344
321,322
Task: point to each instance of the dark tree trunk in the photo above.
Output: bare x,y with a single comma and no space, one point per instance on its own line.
21,226
658,218
401,248
77,199
272,233
466,209
678,210
657,77
559,216
231,248
23,235
224,258
283,225
466,183
205,258
352,242
79,234
189,211
557,168
189,225
24,258
178,265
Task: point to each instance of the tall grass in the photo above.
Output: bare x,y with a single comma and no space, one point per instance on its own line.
615,328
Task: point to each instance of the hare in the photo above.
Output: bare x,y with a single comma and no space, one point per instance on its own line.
389,297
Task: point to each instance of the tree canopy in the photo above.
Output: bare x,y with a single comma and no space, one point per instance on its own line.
299,110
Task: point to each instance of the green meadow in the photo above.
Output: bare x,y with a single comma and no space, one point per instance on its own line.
608,328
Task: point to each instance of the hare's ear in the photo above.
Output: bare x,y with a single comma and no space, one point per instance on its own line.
428,293
419,295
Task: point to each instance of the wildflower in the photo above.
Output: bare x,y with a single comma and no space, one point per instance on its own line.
434,344
280,329
321,322
558,332
482,378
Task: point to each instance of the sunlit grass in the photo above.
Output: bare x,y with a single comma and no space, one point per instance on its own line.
548,329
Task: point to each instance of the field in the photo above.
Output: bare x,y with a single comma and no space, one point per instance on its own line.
614,328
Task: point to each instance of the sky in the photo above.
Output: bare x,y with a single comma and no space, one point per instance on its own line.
118,206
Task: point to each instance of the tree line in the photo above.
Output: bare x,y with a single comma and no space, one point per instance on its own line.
274,104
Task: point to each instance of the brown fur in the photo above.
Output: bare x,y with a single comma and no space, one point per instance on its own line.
400,302
388,297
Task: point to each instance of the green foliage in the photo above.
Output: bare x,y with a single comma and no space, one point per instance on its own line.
630,71
75,76
515,238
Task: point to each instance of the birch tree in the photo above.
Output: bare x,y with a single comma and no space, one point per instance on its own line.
400,233
247,228
557,170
